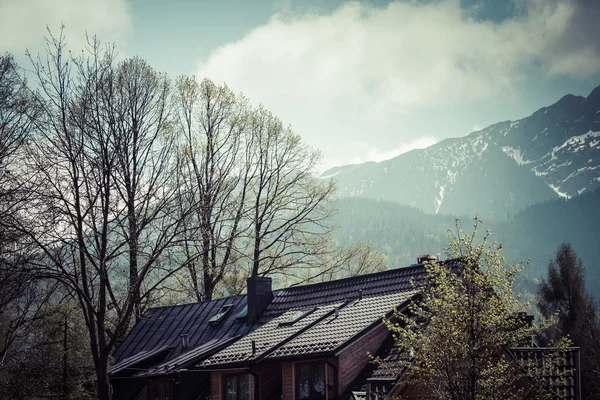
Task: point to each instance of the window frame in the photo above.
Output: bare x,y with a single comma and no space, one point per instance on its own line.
297,316
220,315
311,385
240,374
164,386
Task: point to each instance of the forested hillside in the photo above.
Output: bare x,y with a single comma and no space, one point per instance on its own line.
404,232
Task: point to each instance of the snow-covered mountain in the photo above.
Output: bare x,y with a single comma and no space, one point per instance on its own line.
501,169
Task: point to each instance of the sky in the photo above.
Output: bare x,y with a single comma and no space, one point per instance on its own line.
358,80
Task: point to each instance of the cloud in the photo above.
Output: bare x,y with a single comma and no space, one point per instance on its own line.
23,22
363,71
377,154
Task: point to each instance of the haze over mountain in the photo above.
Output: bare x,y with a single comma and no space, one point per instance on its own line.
404,232
495,171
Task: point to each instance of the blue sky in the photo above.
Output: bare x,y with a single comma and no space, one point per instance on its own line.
360,81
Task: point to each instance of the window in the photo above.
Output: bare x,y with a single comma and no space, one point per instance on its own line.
296,316
243,313
310,381
159,389
220,314
236,387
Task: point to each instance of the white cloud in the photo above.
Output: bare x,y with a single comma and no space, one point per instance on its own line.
23,22
361,71
378,154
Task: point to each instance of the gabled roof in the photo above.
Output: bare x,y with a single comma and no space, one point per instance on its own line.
335,332
319,332
360,301
336,291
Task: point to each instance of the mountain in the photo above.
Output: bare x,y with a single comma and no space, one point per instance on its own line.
404,232
496,171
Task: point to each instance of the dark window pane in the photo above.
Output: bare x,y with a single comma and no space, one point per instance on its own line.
231,387
244,388
304,382
319,381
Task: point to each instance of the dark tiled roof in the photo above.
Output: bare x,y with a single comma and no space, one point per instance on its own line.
162,327
561,380
334,332
376,284
323,332
392,365
267,338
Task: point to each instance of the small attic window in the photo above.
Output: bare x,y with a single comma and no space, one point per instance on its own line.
243,313
296,316
220,314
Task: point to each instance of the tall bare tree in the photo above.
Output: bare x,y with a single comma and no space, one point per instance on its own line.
18,294
103,212
258,207
289,207
144,166
214,155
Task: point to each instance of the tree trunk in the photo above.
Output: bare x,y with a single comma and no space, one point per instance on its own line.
104,390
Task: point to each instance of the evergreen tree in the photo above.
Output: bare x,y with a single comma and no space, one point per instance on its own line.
564,291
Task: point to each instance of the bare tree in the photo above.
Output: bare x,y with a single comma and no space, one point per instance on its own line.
258,206
290,209
144,167
213,153
103,212
17,300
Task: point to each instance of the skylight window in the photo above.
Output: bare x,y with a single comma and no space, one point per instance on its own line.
220,315
243,313
296,316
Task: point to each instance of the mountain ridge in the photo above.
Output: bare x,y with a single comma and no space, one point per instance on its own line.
494,171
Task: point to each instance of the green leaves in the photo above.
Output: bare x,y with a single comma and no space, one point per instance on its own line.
454,336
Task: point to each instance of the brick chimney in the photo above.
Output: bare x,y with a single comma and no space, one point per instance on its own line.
426,257
260,295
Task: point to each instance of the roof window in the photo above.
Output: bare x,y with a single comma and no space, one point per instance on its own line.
296,316
243,313
220,315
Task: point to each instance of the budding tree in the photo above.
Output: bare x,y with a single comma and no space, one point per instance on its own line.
455,338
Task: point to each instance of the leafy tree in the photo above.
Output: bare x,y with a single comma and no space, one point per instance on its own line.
454,335
563,290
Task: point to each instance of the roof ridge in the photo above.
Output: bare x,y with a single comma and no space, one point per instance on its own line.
196,303
355,277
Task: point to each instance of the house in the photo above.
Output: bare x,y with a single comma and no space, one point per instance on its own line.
302,342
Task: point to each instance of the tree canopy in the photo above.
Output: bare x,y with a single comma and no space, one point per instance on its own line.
456,337
563,290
